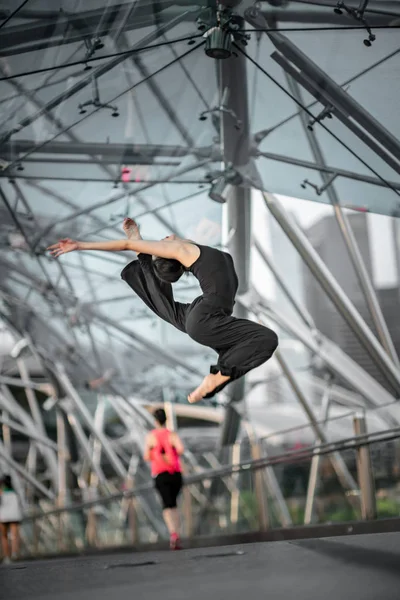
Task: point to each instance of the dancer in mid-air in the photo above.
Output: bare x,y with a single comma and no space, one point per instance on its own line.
241,344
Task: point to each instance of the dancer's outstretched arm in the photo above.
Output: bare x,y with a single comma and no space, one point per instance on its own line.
181,250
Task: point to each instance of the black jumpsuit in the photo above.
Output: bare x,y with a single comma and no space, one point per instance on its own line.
241,344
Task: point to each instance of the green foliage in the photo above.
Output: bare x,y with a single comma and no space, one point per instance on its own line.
248,506
333,511
387,507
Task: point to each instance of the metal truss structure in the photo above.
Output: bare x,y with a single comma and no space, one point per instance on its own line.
164,110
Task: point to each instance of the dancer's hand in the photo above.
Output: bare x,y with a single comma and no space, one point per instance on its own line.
62,247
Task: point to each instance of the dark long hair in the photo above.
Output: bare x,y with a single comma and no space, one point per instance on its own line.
160,416
168,269
6,482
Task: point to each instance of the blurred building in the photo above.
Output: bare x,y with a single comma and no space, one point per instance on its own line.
326,238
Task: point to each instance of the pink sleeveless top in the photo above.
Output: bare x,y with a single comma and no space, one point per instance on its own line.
163,450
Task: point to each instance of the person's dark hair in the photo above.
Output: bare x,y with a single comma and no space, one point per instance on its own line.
6,481
160,416
168,269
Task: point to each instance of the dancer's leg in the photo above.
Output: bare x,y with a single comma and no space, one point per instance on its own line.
209,384
242,346
156,294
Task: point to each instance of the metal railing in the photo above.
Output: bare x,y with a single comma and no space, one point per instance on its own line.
244,498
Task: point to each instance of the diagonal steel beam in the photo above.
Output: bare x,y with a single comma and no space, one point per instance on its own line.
9,402
94,74
318,92
126,188
29,434
77,145
80,406
324,89
300,310
83,443
348,235
163,100
51,32
76,142
21,228
37,417
13,465
340,467
158,93
334,292
298,162
119,196
129,188
162,354
57,196
148,152
316,16
130,152
88,162
259,136
373,6
373,393
24,272
31,14
63,273
43,33
44,109
17,382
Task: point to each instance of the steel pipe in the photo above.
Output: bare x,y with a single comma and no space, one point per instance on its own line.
365,473
334,292
347,235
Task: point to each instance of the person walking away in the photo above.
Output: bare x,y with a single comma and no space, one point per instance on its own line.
10,520
163,449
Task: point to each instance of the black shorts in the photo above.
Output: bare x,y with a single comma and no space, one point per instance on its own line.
168,486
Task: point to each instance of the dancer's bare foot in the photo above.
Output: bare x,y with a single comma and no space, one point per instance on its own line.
131,229
209,383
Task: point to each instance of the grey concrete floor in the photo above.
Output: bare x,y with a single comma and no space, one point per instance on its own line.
363,567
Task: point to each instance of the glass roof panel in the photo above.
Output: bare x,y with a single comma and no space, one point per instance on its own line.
283,139
71,168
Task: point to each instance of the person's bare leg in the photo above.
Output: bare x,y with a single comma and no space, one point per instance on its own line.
15,540
176,520
4,542
131,229
209,383
169,520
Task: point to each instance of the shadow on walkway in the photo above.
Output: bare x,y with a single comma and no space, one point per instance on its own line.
380,560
